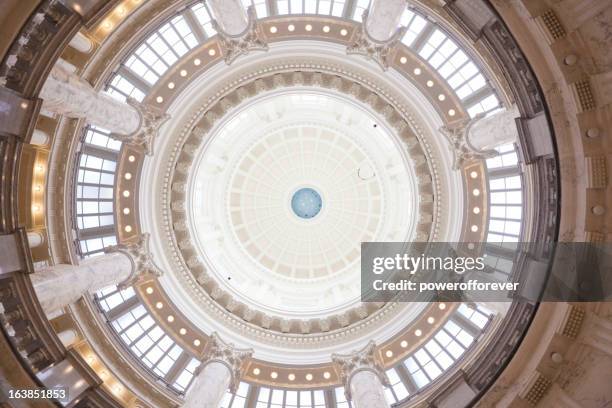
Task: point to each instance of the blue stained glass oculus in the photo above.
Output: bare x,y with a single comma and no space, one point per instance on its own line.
306,203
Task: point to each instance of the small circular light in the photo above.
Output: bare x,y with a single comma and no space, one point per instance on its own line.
159,305
326,29
308,377
36,208
197,62
441,97
273,29
108,25
389,353
24,105
40,168
431,320
197,342
256,371
476,210
170,318
126,193
183,73
128,176
417,71
149,290
404,344
291,27
170,85
476,192
403,60
128,228
291,377
430,83
183,331
474,175
308,27
131,158
159,99
274,374
38,188
126,211
442,306
343,32
474,228
451,112
212,52
418,332
121,11
326,375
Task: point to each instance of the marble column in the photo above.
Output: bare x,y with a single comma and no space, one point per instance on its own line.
39,138
230,16
65,93
238,31
35,239
81,43
220,370
493,131
383,18
60,285
379,32
363,377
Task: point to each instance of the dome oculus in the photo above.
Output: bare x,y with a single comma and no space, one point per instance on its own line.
306,203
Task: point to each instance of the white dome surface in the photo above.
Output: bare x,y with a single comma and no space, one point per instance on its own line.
247,174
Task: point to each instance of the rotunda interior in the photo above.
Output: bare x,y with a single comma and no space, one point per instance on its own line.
189,189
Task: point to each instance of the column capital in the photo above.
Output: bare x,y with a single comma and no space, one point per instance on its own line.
227,354
250,39
462,149
364,44
359,360
140,257
151,119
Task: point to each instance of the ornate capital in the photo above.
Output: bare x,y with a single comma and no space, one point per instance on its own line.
151,119
250,39
361,360
140,256
225,353
463,151
363,44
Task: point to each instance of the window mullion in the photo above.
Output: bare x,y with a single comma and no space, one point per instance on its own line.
179,366
122,308
195,26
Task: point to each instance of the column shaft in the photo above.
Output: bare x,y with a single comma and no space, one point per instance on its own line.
209,386
39,138
367,390
384,18
81,43
494,131
66,94
60,285
35,239
230,15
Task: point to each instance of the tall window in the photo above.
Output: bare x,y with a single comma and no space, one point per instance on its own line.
94,200
505,196
453,64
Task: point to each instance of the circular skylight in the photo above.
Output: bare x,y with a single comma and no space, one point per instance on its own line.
306,203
